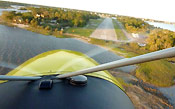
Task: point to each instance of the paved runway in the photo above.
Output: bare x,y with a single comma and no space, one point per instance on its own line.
105,31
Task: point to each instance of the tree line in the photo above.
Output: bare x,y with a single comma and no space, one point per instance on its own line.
157,39
160,39
50,18
133,25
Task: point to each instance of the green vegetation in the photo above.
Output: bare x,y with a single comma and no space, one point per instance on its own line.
160,73
161,39
122,82
134,25
120,34
101,42
47,32
5,4
49,20
116,47
87,30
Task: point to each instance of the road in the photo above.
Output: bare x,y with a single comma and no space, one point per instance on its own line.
19,45
105,31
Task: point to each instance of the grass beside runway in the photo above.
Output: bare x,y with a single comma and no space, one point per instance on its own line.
159,73
120,34
87,30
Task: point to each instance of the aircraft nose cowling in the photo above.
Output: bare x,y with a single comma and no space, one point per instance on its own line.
97,94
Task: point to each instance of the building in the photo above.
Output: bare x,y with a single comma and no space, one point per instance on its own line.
53,21
135,35
141,44
37,15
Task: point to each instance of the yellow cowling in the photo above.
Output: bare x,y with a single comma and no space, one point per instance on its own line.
59,62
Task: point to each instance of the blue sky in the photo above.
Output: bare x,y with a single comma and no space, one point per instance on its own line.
154,9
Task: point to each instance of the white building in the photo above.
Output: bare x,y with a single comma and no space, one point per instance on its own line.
135,35
141,44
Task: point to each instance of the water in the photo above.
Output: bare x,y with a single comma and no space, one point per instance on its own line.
12,9
170,93
18,45
170,27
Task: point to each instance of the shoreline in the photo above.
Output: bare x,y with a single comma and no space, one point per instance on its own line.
23,26
142,93
153,90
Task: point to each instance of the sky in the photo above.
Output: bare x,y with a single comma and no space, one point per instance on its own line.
163,10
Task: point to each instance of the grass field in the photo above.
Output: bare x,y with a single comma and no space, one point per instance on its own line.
120,34
160,73
113,46
87,30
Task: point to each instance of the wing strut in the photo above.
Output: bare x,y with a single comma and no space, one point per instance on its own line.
166,53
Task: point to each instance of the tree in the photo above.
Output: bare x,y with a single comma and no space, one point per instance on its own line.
27,21
44,17
75,22
34,23
57,15
161,39
8,15
47,28
27,15
133,25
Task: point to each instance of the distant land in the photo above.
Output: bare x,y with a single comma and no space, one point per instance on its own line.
7,4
